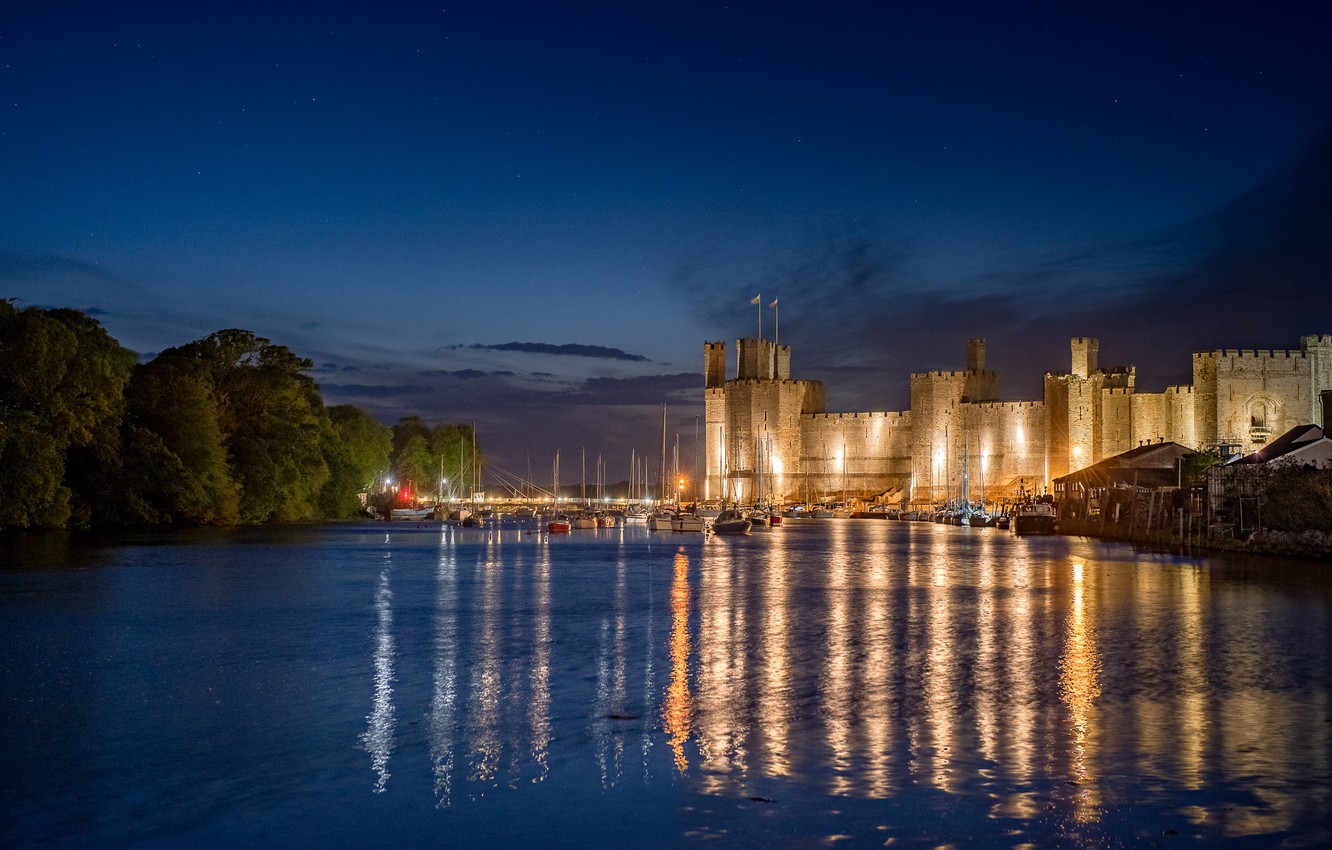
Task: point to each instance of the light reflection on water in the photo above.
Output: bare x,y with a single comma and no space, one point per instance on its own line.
861,680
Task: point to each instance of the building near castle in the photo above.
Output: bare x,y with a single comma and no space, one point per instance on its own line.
769,437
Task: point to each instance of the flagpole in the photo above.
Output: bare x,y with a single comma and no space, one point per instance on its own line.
776,322
760,300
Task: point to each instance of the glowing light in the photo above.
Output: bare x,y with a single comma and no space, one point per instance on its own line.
678,708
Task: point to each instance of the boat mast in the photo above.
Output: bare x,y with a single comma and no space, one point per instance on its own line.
661,477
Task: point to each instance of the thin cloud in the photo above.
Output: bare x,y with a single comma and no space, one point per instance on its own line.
566,350
645,389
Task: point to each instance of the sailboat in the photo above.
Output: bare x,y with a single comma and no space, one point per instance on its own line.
559,523
661,515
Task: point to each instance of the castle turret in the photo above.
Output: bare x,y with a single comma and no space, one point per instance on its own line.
1084,351
714,364
975,355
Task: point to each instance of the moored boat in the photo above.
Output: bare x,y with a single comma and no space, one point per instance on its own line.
1036,517
730,522
559,524
688,522
635,516
412,513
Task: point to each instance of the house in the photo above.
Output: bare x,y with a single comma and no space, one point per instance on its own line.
1115,481
1307,444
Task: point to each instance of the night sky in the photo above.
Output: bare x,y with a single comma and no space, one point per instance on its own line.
532,215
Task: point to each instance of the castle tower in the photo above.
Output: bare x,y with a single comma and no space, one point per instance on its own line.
1084,351
975,355
1073,410
753,421
938,436
1319,351
714,364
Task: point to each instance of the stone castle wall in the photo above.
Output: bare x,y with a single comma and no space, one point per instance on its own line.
857,453
763,425
1247,397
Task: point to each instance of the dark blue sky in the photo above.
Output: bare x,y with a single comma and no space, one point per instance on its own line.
398,193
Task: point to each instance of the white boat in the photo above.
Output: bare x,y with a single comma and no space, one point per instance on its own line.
688,522
412,513
585,521
635,516
660,520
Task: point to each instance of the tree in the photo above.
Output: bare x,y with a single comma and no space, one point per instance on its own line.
452,445
62,380
176,456
271,418
421,454
357,453
1298,497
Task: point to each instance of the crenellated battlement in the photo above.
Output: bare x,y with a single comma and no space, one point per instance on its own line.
941,376
1316,340
1006,405
1252,354
1179,389
768,382
887,416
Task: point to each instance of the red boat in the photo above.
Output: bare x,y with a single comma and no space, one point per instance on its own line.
559,524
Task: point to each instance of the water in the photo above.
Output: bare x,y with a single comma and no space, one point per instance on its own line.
845,683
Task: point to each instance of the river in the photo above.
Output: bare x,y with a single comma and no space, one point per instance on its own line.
838,683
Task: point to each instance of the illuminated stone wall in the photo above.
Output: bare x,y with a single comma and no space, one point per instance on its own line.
752,419
861,454
1245,398
956,427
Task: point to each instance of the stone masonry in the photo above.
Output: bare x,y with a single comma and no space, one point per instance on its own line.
768,437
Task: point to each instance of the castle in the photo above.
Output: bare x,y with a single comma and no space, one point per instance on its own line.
769,437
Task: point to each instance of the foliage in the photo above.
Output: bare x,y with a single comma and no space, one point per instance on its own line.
273,423
31,472
62,380
422,455
1298,497
357,452
226,429
1193,469
180,470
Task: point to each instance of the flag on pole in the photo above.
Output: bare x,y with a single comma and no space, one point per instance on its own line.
773,305
756,299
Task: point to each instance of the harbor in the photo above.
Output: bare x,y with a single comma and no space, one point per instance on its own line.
849,681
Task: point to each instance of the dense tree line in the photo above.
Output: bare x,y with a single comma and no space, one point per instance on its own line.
225,430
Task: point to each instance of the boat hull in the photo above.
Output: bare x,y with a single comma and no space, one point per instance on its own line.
688,522
731,526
